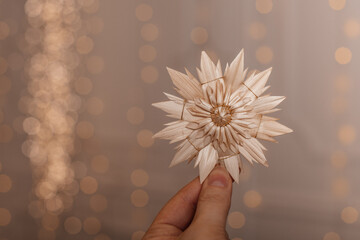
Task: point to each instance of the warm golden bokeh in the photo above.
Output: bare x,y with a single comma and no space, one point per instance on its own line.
139,177
339,159
95,64
347,134
343,55
94,106
5,85
149,74
100,164
91,225
236,220
349,215
4,30
143,12
98,203
352,28
145,138
264,54
83,85
72,225
6,133
199,35
88,185
147,53
84,45
85,129
331,236
252,199
264,6
257,30
3,65
337,4
5,217
149,32
139,198
340,187
5,183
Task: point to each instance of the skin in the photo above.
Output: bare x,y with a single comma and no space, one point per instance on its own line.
196,212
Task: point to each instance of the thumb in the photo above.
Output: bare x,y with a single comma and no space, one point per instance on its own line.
214,200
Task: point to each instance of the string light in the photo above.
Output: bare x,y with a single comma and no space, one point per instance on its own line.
51,105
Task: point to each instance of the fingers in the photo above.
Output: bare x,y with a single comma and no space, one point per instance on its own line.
179,211
214,200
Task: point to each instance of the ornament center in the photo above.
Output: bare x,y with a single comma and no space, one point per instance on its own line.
221,115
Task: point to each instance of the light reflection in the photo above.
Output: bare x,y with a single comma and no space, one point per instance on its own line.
50,105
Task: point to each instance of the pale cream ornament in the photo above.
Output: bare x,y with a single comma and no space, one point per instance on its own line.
221,117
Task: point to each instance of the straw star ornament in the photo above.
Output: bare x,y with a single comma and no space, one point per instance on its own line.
220,117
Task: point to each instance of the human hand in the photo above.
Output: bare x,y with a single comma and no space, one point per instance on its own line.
196,211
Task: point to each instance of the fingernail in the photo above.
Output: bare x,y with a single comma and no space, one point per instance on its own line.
217,180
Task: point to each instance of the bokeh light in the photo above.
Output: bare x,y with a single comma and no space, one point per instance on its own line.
91,225
236,220
331,236
95,64
149,32
343,55
3,65
45,234
5,85
98,203
88,185
349,215
147,53
100,164
5,183
83,85
135,115
6,133
264,6
342,83
257,30
199,35
5,217
50,222
139,177
4,30
252,199
139,198
143,12
84,45
149,74
352,28
145,138
339,159
94,106
340,187
85,129
72,225
347,134
337,4
264,54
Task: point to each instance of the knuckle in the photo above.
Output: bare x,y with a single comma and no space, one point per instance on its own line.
210,196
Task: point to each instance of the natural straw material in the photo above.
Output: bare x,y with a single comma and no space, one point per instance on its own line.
220,117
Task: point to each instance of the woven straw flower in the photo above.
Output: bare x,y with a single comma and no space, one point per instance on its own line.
221,117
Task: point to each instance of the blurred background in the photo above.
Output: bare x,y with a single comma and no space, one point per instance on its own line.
77,79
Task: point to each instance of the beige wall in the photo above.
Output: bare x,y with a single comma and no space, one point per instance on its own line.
313,172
